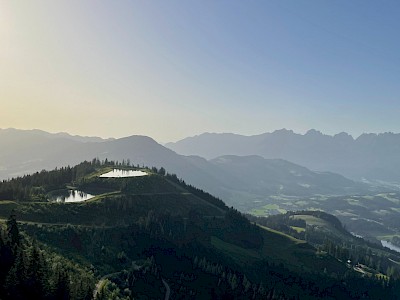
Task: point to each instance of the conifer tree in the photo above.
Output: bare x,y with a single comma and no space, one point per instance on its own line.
13,231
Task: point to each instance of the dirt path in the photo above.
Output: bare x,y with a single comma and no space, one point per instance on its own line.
168,292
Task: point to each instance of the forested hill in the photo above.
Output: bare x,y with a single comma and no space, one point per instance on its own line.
155,236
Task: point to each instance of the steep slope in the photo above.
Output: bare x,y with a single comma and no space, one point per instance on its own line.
370,156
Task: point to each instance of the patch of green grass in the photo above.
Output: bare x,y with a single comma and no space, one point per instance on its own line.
271,206
258,212
313,221
284,235
298,229
99,172
267,210
344,213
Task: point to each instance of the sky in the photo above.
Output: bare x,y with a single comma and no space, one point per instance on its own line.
172,69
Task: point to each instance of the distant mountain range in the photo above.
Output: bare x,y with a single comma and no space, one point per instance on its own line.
234,179
373,157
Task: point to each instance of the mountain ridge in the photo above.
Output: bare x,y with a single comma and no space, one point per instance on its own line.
30,153
369,156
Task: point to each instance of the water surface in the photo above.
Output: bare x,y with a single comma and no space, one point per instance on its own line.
73,196
118,173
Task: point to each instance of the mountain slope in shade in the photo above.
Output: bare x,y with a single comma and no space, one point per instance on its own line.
229,177
370,156
24,152
241,180
10,132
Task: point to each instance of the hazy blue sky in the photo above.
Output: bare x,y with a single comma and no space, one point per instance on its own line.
169,69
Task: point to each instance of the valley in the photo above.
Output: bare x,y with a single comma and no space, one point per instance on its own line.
140,235
372,216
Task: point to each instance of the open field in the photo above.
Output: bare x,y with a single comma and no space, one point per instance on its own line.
373,216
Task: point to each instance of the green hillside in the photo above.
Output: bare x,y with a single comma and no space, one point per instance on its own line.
144,236
329,237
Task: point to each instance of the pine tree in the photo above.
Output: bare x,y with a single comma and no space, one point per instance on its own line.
13,231
37,272
62,291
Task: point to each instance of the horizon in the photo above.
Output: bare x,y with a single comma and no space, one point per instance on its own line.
171,70
204,133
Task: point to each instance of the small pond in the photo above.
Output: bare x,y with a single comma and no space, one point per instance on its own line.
118,173
72,196
390,246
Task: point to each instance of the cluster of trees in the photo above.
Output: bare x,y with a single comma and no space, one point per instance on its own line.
233,227
233,284
360,254
29,272
34,187
141,281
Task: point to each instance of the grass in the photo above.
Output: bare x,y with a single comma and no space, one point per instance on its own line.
313,221
284,235
99,172
102,196
265,210
298,229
